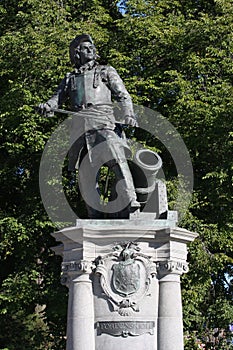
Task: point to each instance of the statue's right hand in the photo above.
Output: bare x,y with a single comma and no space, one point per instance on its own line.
45,109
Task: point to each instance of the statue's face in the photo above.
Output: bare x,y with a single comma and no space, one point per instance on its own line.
86,52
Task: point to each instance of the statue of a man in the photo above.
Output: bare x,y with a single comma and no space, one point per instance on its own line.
89,90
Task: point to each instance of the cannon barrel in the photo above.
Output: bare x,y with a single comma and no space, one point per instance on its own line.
144,168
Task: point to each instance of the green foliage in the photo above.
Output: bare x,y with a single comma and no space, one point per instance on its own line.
33,57
175,57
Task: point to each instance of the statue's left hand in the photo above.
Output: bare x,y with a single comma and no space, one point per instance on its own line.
131,121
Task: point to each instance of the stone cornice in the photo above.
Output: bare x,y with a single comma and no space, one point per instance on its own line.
111,231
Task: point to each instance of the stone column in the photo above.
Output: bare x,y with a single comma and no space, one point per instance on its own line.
170,324
80,321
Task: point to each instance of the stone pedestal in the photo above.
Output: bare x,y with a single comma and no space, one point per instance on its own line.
124,283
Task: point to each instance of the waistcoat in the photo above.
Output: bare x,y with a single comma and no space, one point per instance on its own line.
87,89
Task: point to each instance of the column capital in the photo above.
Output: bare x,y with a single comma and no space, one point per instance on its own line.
171,267
73,269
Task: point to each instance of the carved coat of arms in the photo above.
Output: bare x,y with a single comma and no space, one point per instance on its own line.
125,277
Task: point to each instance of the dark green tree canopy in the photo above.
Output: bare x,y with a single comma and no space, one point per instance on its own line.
174,57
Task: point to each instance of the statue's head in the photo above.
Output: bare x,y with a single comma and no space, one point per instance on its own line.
82,50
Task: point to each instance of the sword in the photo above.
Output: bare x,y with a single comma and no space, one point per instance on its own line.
63,111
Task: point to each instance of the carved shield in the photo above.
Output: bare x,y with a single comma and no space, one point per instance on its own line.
126,277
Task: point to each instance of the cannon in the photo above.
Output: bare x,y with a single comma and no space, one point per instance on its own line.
151,191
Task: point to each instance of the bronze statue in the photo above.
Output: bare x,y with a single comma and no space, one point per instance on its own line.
89,90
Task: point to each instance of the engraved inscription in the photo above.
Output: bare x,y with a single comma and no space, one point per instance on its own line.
125,328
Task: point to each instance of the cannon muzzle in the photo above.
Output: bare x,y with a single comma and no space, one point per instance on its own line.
144,168
151,192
